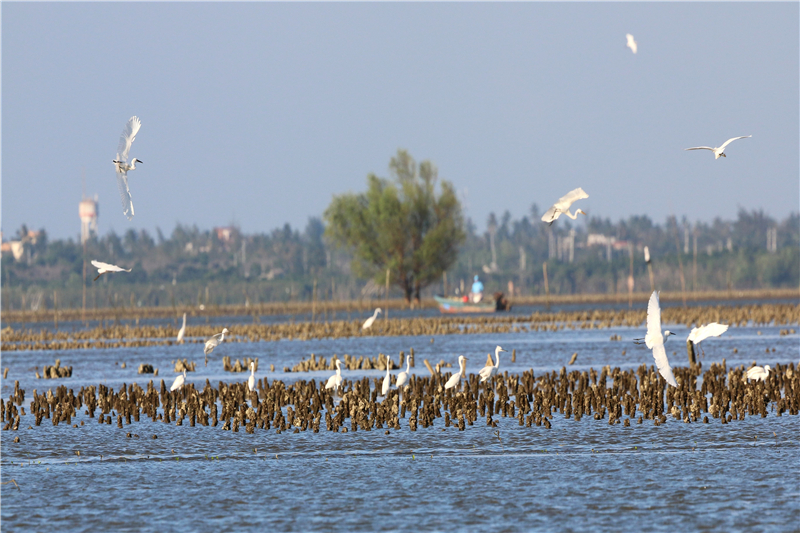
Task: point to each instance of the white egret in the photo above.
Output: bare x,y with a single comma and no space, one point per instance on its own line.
214,341
182,331
703,332
104,268
719,152
631,43
563,205
335,381
122,165
402,377
758,373
456,378
251,381
387,381
655,339
371,320
178,383
490,370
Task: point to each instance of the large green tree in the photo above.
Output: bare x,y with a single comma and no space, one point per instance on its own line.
401,225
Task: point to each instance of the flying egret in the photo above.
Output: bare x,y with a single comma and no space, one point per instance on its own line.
371,320
251,381
387,381
563,205
703,332
335,381
456,378
182,331
402,377
655,339
122,165
758,373
490,370
631,43
719,152
104,268
178,383
214,341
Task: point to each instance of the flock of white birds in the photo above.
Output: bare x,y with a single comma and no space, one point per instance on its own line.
654,339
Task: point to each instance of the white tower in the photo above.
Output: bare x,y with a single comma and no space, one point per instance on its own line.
88,210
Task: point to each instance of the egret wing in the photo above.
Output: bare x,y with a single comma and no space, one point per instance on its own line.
100,264
571,197
125,194
753,373
733,139
660,355
701,148
654,335
711,330
551,215
128,135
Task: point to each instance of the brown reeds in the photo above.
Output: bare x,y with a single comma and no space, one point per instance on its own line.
132,336
614,396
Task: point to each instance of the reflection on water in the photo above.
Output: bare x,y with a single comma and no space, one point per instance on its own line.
583,475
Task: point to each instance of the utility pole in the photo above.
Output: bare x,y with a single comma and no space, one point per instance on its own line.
649,268
546,286
680,264
387,293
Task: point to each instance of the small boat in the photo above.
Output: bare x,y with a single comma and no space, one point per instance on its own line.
461,305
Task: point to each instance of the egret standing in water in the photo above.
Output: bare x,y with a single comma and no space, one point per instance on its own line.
214,341
455,379
719,152
402,377
758,373
122,165
178,383
104,268
182,331
251,381
655,339
387,381
335,381
371,320
489,371
563,205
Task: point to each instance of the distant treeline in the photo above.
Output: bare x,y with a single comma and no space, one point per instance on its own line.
225,266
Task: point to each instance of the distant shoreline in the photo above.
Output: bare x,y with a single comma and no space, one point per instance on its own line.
319,307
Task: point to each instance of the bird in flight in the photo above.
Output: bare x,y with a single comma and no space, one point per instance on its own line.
720,151
104,268
122,165
631,43
655,339
563,205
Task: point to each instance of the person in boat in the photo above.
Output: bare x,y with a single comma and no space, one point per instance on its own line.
476,295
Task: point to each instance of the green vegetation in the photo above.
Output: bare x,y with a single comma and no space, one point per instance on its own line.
401,226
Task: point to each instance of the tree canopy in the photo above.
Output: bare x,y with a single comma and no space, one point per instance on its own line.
401,225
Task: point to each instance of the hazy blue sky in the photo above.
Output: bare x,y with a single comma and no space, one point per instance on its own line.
258,113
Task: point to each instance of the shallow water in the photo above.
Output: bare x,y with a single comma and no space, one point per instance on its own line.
582,475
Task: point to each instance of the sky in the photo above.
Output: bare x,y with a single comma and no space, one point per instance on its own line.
257,114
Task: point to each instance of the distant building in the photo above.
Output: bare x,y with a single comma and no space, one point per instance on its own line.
225,235
17,248
88,209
